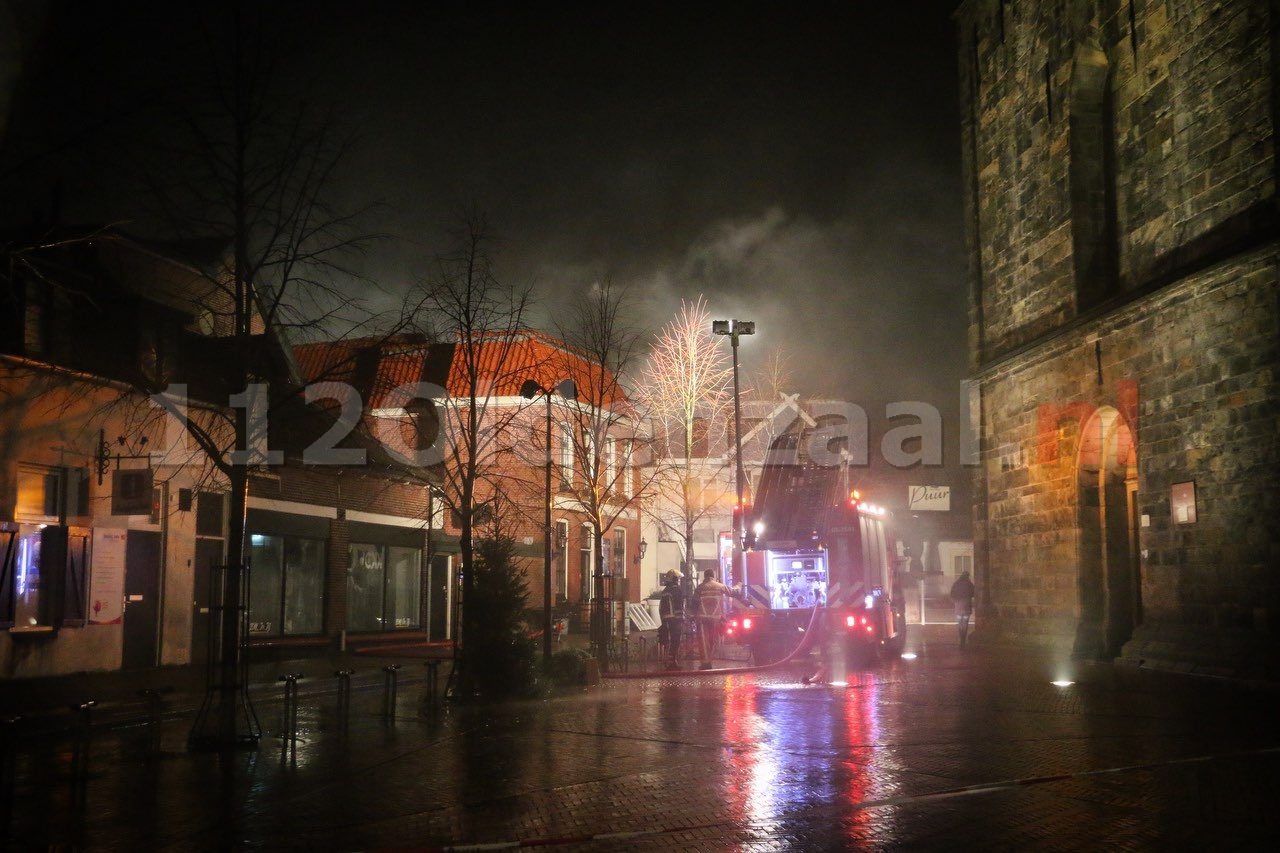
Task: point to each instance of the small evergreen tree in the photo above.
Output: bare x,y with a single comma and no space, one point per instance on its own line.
501,652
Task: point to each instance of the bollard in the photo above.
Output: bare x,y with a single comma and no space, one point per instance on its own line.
80,750
155,708
344,695
389,684
289,742
433,670
8,769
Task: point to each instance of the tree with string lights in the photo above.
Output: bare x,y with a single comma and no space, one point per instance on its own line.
687,393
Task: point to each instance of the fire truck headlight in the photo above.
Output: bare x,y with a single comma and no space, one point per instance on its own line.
849,621
746,623
868,602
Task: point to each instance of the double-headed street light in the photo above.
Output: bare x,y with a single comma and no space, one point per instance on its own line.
530,389
734,328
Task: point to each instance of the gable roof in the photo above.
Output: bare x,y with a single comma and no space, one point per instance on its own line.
503,363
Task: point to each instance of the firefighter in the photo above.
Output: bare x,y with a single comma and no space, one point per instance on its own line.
710,610
671,609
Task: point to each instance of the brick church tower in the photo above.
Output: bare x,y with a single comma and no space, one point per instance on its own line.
1120,168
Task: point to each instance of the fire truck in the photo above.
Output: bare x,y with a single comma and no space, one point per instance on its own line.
818,570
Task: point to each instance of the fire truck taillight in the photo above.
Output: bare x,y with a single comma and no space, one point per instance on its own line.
850,621
746,623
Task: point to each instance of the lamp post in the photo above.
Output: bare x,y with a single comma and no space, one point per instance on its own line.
735,328
530,389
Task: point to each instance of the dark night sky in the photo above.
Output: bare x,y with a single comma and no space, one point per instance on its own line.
797,164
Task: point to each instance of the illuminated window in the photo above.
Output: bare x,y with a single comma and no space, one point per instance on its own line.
43,566
39,494
45,571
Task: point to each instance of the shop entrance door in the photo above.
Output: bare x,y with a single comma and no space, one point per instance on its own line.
141,599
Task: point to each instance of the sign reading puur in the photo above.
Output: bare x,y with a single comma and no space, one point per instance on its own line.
929,498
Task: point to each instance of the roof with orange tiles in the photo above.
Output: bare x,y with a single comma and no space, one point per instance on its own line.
502,364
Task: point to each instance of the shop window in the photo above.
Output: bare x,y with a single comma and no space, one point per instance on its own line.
286,585
44,568
43,577
384,587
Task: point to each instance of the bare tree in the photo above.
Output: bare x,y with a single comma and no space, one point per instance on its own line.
687,392
773,378
254,168
466,305
247,168
605,431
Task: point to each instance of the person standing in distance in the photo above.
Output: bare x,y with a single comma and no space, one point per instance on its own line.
709,597
962,597
671,609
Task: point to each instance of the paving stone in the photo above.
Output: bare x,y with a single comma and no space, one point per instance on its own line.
972,750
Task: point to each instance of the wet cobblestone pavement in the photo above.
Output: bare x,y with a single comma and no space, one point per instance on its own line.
971,749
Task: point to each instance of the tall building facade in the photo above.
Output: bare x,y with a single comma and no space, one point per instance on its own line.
1120,170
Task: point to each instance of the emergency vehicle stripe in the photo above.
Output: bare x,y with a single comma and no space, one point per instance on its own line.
759,594
835,595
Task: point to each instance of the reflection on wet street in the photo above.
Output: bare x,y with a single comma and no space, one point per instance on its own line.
972,749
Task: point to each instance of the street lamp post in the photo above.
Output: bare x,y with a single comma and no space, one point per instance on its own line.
530,389
735,328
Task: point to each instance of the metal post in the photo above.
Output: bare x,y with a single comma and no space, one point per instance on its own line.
734,329
433,670
737,444
389,690
289,740
546,557
344,695
80,751
155,705
8,770
530,389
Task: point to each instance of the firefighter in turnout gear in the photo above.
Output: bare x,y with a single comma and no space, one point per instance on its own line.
671,609
709,599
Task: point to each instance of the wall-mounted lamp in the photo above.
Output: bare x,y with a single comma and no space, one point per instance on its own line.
644,546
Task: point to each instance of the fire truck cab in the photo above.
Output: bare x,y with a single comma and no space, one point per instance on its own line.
819,573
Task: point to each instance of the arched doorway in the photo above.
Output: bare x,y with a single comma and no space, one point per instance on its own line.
1109,584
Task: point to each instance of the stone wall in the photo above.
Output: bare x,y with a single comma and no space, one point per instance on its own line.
1071,552
1191,114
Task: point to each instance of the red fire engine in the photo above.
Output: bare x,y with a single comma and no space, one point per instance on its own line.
819,570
